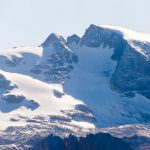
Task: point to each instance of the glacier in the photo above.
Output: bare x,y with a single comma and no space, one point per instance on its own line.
99,82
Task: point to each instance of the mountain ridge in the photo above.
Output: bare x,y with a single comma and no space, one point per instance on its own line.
99,80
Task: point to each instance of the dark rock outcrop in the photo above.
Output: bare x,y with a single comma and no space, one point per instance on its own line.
132,74
100,141
57,60
5,85
73,39
96,36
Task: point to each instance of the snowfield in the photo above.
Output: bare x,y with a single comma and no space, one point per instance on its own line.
38,91
65,87
43,94
89,82
128,34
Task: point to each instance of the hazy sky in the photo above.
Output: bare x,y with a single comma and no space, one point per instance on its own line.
29,22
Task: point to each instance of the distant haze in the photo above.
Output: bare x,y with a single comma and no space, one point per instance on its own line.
29,22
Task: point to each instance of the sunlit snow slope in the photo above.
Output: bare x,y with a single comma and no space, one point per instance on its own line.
111,76
90,82
28,95
101,79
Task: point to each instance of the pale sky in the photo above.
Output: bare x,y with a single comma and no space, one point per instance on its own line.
29,22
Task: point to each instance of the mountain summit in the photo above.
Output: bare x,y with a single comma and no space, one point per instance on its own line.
99,80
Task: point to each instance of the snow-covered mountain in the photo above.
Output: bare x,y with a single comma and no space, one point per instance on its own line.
99,80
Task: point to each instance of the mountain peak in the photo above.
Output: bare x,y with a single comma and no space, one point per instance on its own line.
53,39
93,26
100,80
95,36
73,39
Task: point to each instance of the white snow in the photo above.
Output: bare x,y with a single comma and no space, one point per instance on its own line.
31,88
129,34
132,36
40,92
89,83
28,56
19,51
84,125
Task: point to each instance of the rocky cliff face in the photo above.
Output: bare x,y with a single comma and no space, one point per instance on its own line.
57,60
132,74
98,36
100,141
